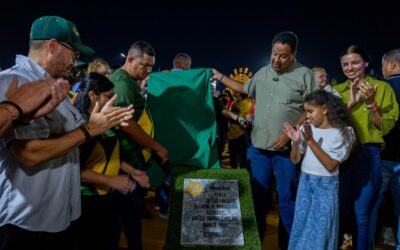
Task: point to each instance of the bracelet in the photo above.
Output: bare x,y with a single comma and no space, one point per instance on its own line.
222,77
17,118
13,115
374,107
18,108
85,132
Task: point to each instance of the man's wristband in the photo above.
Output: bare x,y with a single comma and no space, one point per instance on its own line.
16,118
18,108
222,77
85,132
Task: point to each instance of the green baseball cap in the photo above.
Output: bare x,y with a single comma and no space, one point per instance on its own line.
49,27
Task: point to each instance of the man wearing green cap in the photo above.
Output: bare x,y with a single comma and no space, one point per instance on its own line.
39,166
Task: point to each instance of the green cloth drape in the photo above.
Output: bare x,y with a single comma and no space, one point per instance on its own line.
181,106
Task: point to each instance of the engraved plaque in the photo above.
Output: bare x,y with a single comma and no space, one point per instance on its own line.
211,213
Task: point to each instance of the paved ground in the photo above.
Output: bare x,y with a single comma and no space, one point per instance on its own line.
155,228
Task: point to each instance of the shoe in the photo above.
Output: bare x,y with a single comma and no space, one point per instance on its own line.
347,242
164,216
388,237
156,206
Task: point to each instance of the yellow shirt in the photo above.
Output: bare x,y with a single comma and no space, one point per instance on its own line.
360,115
241,108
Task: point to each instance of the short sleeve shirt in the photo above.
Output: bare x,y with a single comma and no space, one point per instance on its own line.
278,98
129,92
46,197
333,143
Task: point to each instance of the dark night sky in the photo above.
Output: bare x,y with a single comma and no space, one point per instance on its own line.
219,34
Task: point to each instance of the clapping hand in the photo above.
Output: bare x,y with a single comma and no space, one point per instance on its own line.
307,132
37,98
355,95
108,117
367,92
292,132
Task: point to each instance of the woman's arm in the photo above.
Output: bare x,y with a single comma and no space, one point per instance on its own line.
122,183
136,174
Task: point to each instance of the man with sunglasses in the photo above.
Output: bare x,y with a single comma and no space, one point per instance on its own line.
39,160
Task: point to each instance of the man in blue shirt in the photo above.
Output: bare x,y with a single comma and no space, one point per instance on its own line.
391,154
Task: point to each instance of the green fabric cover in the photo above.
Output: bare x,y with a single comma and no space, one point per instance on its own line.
183,113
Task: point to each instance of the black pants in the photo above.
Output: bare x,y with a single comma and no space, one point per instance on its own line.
129,213
16,238
96,227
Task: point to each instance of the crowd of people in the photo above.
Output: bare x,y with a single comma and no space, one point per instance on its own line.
74,154
328,204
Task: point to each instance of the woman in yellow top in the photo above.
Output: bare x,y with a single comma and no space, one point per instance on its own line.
100,166
237,141
374,110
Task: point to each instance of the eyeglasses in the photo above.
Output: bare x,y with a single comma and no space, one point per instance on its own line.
75,54
108,95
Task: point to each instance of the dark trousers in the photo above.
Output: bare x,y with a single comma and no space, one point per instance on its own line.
130,212
238,149
16,238
98,222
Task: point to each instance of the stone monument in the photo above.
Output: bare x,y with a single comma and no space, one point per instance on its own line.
211,213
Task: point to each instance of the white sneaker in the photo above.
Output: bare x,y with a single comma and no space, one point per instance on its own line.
347,242
388,237
164,216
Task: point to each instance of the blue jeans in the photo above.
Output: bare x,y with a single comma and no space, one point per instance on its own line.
263,164
360,185
390,179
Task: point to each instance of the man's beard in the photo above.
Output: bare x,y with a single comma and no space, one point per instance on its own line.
72,75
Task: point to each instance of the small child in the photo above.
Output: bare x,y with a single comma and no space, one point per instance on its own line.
324,141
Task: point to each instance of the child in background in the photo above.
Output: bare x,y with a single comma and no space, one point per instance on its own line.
324,141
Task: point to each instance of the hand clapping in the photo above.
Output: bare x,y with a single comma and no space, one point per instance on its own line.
292,132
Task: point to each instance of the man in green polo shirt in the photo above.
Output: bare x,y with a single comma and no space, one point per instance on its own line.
137,143
279,90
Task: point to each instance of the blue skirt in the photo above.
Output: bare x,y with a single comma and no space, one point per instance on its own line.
316,216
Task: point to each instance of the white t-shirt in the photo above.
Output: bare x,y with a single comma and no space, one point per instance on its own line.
332,142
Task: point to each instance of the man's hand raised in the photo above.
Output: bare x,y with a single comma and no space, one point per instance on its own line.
37,98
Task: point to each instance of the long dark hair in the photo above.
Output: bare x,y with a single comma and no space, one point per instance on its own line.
95,82
358,49
338,114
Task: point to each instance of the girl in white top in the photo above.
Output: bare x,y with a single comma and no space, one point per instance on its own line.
324,141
